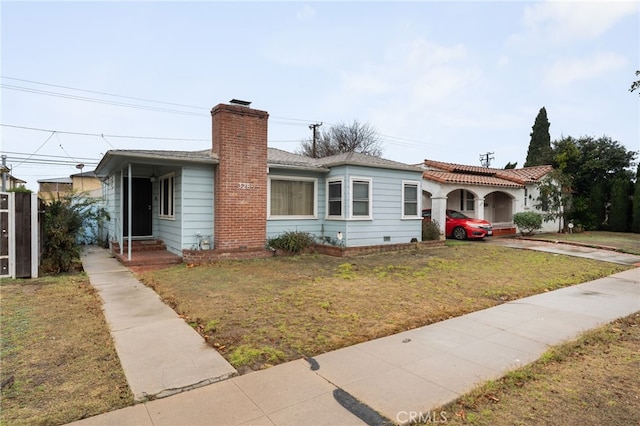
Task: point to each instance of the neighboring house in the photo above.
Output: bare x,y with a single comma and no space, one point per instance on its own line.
484,193
88,183
240,192
54,188
12,182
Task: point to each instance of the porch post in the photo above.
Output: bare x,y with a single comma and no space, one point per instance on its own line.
129,183
439,212
121,212
480,208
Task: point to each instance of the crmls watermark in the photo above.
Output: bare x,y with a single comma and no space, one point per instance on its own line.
423,417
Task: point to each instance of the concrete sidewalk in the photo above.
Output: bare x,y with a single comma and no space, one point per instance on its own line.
159,352
386,380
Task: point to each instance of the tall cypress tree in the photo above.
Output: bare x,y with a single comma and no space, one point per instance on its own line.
540,152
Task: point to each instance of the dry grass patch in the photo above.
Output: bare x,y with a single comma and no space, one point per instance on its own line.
58,349
591,381
262,312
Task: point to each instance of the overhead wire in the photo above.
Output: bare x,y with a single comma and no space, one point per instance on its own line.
101,93
103,135
40,147
392,140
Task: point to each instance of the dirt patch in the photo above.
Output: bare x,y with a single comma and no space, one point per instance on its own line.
263,312
591,381
57,356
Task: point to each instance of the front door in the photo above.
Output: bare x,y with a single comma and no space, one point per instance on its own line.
141,212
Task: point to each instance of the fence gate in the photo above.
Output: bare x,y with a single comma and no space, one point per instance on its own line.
4,235
19,248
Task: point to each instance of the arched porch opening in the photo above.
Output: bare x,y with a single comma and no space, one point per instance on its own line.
499,209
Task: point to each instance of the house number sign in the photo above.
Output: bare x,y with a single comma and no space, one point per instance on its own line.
244,185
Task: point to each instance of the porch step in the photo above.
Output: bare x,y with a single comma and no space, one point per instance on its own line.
140,245
145,255
152,259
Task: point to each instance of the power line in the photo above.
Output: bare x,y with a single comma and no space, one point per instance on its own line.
48,155
101,93
287,122
102,135
40,147
100,101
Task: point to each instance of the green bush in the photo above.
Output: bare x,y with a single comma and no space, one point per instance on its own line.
291,242
66,220
528,222
20,188
430,230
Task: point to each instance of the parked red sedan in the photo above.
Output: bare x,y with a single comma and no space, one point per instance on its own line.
461,226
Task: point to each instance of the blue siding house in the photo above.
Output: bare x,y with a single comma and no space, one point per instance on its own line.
228,200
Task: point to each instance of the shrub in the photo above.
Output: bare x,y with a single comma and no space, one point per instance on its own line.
20,188
528,222
430,230
66,221
291,242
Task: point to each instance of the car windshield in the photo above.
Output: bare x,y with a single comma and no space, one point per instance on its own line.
456,215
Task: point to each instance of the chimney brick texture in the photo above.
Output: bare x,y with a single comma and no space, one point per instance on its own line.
239,138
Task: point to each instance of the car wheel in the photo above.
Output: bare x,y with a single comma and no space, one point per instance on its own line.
459,233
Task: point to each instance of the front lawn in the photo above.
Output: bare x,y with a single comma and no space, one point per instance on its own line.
58,360
263,312
590,381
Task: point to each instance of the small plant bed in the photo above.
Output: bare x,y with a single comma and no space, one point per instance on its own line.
58,360
620,241
263,312
590,381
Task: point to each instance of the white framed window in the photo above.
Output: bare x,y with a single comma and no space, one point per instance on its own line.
335,199
361,195
410,191
167,196
467,201
292,197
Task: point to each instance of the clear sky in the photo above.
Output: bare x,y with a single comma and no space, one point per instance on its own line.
446,81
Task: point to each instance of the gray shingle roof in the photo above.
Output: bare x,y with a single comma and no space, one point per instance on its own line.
358,159
276,158
202,155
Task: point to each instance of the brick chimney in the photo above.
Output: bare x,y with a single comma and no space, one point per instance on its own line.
239,137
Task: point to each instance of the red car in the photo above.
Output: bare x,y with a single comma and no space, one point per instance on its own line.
461,226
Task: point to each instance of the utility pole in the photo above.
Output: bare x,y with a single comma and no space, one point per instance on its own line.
485,159
4,173
314,127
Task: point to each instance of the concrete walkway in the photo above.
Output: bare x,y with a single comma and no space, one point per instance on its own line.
159,352
569,250
397,378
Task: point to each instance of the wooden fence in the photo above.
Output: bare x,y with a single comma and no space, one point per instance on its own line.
20,230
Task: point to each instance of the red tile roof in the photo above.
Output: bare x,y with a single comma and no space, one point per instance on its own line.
485,176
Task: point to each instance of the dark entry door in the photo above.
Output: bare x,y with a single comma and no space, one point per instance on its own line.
141,214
